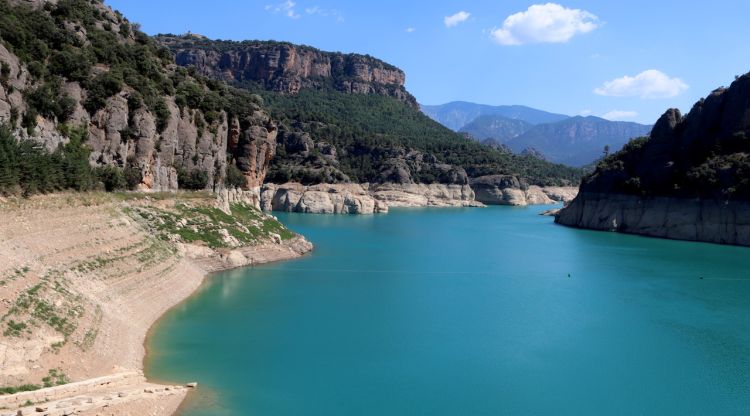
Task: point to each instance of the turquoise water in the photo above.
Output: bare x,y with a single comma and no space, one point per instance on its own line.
467,312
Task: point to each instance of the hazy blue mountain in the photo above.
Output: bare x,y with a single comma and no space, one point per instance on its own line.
457,114
496,127
577,141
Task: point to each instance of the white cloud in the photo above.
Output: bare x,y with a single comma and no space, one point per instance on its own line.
585,112
456,19
317,10
410,30
615,115
648,84
287,8
544,23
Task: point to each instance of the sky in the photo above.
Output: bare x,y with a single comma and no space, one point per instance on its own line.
622,60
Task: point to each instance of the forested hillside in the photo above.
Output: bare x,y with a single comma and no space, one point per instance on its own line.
82,82
333,134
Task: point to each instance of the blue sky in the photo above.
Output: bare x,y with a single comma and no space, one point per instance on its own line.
629,60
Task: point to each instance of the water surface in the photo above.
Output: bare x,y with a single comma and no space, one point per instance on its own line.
491,311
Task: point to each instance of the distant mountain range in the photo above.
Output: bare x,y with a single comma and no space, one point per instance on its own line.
457,114
499,128
574,141
577,141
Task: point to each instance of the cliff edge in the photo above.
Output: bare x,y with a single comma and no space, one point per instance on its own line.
689,180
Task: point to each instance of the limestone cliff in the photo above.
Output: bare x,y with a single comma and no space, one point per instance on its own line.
689,180
714,221
509,190
425,195
139,111
320,199
288,68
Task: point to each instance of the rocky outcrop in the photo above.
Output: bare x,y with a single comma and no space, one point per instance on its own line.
688,180
157,140
509,190
320,199
288,68
675,218
424,195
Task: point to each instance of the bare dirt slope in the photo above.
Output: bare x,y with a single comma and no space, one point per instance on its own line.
84,277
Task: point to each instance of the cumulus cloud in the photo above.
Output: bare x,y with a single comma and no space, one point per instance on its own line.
410,30
287,8
544,23
648,84
456,19
616,115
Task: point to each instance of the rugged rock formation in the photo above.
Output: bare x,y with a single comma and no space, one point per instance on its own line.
288,68
363,199
320,199
182,144
423,195
724,222
509,190
690,180
159,139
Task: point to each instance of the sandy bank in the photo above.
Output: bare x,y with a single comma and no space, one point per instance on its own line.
83,278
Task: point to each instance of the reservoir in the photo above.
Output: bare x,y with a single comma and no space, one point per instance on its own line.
493,311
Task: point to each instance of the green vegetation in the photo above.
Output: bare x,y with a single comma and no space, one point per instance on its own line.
211,226
369,128
194,180
55,377
720,170
19,389
26,168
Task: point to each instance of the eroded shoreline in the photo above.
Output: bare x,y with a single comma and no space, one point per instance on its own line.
90,254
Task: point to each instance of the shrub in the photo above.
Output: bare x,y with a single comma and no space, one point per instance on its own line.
133,177
235,177
111,177
193,180
100,89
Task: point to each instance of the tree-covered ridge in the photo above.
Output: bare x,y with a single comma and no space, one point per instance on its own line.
369,130
195,41
705,154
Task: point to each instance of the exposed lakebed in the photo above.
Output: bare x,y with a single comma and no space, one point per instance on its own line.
467,311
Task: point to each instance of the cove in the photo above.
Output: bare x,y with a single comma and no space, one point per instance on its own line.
467,312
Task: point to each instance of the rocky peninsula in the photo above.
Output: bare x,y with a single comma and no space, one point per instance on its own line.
688,180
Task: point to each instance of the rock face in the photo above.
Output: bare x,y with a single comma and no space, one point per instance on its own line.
423,195
509,190
181,144
288,68
362,199
124,134
675,218
689,180
320,199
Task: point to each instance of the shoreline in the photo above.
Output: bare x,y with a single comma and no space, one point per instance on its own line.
208,276
124,278
193,267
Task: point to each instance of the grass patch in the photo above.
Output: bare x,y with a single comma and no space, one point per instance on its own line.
212,227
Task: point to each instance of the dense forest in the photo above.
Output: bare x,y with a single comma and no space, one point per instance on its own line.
366,128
